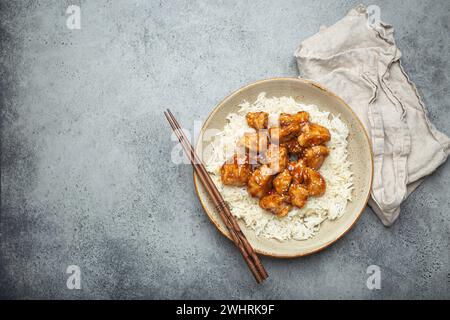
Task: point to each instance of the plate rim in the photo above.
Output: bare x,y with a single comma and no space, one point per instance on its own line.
320,87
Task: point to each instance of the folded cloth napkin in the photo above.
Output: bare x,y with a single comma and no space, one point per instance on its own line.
360,62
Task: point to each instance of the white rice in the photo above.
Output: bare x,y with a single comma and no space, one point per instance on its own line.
303,223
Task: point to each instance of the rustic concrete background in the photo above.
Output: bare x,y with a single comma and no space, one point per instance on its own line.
86,174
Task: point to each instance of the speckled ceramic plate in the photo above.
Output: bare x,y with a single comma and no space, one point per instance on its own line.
359,150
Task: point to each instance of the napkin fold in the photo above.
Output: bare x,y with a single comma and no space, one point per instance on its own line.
360,62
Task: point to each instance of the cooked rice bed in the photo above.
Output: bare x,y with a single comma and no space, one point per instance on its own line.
300,224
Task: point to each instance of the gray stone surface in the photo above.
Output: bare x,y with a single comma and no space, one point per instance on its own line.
86,176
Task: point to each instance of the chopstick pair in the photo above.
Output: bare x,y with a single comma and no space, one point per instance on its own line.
239,239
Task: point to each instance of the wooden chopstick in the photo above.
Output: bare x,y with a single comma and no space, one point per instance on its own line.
191,155
197,167
223,207
239,239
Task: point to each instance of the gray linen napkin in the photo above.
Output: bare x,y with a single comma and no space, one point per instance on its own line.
360,62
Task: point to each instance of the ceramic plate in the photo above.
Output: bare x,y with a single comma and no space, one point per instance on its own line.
359,152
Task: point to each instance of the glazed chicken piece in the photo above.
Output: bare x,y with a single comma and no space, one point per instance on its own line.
260,182
236,173
284,134
298,118
278,183
276,204
254,141
313,135
315,156
298,195
257,120
277,158
293,147
282,182
314,182
296,169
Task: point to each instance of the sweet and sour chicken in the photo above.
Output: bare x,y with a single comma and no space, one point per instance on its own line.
298,118
315,156
293,147
289,157
257,120
260,182
277,158
236,173
313,135
276,203
254,142
282,182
